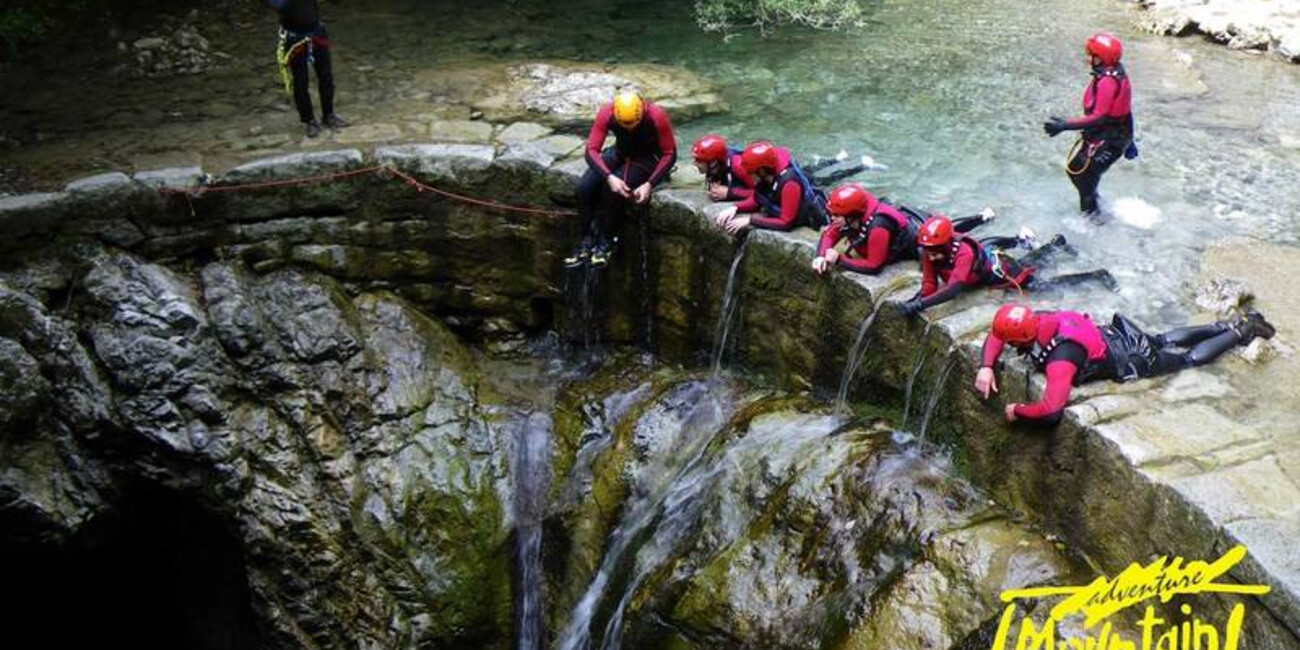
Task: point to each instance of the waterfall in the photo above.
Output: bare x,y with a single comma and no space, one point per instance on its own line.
728,309
917,363
857,354
647,296
532,482
684,424
937,391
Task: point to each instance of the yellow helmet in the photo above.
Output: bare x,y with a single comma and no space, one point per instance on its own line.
628,108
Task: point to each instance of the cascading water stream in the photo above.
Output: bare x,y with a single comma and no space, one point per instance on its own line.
693,415
678,512
853,362
728,309
950,362
532,475
918,363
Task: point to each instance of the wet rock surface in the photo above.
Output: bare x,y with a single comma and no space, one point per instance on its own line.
275,355
1239,24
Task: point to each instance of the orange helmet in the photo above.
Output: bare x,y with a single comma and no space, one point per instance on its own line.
759,155
936,231
851,199
628,108
710,148
1015,324
1106,47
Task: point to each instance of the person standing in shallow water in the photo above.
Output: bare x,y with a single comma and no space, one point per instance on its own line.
303,44
643,154
1106,127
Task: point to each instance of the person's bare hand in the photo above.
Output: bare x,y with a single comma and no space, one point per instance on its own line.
617,186
641,194
820,265
985,381
738,224
1011,412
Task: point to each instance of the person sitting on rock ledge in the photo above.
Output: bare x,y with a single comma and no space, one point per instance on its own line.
643,154
303,42
1070,349
877,233
784,194
724,176
956,261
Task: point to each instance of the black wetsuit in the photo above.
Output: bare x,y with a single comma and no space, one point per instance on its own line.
300,19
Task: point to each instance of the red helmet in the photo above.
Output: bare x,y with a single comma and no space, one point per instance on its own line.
1105,47
710,148
1016,324
936,231
851,199
759,155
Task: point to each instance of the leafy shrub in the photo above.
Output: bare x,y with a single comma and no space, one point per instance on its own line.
719,15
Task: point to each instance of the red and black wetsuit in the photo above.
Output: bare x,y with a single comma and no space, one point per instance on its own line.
643,154
1107,126
889,236
1068,347
967,264
306,41
730,173
784,196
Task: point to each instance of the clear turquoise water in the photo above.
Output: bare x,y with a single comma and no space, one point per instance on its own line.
951,95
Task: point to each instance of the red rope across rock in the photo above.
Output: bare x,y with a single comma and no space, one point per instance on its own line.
392,172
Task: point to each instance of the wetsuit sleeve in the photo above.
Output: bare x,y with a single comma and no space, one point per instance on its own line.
991,351
667,145
745,189
877,254
749,204
929,277
830,236
791,198
1064,362
1105,93
596,139
735,193
963,263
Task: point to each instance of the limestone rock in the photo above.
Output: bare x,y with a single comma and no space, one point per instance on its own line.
522,132
568,93
460,131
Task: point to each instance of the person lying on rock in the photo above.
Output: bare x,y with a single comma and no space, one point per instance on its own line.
724,176
1070,349
1106,127
784,196
876,233
643,154
304,43
953,261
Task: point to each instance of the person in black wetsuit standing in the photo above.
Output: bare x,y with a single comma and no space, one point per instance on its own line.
304,43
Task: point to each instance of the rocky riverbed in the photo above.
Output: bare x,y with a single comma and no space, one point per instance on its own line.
1261,25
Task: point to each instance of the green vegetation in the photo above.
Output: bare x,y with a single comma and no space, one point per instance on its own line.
26,21
719,15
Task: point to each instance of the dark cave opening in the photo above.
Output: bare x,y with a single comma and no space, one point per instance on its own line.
162,573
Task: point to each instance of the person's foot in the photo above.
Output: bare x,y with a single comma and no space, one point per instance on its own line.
601,254
312,128
581,255
335,122
1028,240
1252,324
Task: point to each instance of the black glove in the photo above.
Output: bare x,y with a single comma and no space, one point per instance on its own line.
1054,125
910,308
